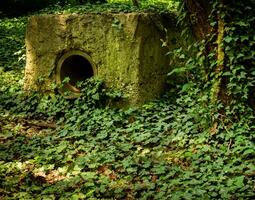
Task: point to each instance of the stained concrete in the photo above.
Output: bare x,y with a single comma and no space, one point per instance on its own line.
125,49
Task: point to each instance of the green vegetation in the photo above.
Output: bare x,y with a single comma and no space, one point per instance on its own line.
18,7
184,146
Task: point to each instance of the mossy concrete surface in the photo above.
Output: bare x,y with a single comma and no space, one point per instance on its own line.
126,50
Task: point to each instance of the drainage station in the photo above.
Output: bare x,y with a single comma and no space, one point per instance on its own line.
124,50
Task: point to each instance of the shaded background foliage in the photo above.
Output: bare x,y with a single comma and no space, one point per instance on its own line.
18,7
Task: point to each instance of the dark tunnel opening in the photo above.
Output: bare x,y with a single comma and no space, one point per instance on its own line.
77,68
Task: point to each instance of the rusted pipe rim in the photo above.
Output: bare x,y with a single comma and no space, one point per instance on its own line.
78,66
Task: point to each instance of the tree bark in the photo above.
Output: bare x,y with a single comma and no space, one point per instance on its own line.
198,12
217,89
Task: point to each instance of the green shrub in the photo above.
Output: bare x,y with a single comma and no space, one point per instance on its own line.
17,7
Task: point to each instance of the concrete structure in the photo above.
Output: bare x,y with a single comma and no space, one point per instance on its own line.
124,49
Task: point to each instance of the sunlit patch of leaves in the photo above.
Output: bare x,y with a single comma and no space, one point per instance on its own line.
113,7
12,36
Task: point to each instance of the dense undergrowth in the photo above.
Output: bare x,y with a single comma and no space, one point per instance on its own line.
180,147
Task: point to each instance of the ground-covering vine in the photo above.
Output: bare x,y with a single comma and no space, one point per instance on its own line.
220,138
12,48
183,146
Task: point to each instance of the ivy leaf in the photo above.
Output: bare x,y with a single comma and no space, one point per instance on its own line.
186,87
239,181
178,70
228,39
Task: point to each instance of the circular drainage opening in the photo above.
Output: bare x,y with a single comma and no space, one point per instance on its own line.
77,66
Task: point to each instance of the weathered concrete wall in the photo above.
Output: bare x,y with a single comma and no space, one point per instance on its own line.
125,48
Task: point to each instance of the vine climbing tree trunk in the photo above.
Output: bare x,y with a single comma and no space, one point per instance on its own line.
199,12
217,88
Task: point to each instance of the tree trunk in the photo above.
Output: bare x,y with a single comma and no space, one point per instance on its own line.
217,88
198,12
